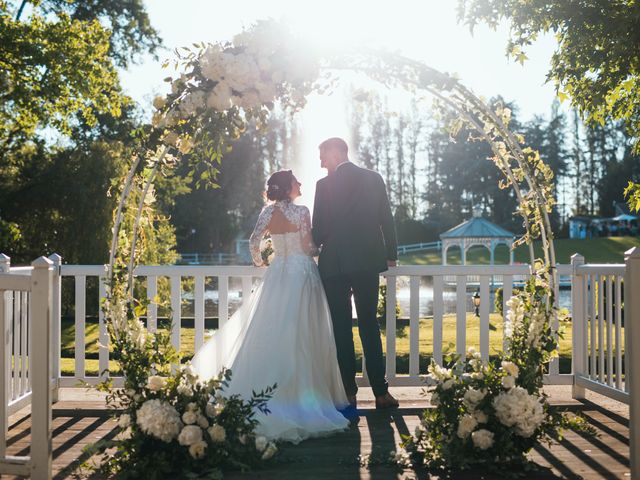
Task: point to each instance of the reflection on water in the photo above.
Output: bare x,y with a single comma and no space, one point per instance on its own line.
402,295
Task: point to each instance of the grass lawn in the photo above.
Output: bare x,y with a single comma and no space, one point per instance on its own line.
596,250
402,343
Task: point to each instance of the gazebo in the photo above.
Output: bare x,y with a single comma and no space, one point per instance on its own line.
476,231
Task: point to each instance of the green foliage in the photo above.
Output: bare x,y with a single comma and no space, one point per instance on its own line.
597,63
632,192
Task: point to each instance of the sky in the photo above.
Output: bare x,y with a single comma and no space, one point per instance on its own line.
425,30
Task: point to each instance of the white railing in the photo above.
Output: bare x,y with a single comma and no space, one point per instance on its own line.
26,303
484,277
598,343
606,337
417,247
602,345
149,275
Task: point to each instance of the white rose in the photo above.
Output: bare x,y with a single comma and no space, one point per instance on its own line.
171,138
448,384
189,435
220,97
243,439
210,410
511,368
189,417
269,451
435,399
124,421
466,425
186,144
157,120
261,443
197,449
159,102
202,421
480,416
184,389
217,433
508,382
473,397
249,99
482,439
156,382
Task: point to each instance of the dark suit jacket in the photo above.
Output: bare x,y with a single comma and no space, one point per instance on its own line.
352,222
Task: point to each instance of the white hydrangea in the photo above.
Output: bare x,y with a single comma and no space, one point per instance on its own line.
482,439
472,397
516,408
189,435
217,433
466,425
197,449
159,419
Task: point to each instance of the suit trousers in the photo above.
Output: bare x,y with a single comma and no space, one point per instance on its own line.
364,288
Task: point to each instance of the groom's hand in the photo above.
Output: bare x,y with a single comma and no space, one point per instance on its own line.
392,263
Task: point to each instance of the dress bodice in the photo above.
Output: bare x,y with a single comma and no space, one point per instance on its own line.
292,243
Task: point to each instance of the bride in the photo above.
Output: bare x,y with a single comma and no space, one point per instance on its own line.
283,334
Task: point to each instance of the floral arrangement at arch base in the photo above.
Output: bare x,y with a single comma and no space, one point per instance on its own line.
490,415
173,425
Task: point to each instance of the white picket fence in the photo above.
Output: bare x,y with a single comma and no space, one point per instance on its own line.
599,338
26,301
439,276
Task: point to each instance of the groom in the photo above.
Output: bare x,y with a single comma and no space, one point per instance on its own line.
353,225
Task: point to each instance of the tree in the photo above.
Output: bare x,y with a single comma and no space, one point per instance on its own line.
58,63
597,62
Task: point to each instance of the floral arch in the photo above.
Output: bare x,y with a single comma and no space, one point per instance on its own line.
220,88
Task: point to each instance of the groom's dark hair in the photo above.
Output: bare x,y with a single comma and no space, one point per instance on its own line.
335,143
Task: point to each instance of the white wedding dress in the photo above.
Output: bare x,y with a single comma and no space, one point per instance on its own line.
283,334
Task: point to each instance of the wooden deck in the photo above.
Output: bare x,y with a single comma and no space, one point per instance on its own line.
78,422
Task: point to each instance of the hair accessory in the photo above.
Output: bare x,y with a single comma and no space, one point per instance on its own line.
275,187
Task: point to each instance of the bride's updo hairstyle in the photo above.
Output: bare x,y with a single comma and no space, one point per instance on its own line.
279,185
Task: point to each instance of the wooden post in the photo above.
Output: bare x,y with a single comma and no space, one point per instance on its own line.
41,289
56,325
578,324
632,374
5,358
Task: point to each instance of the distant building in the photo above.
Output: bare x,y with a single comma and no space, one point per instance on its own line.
476,231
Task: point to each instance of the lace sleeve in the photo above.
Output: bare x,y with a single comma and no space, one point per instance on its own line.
308,245
258,233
